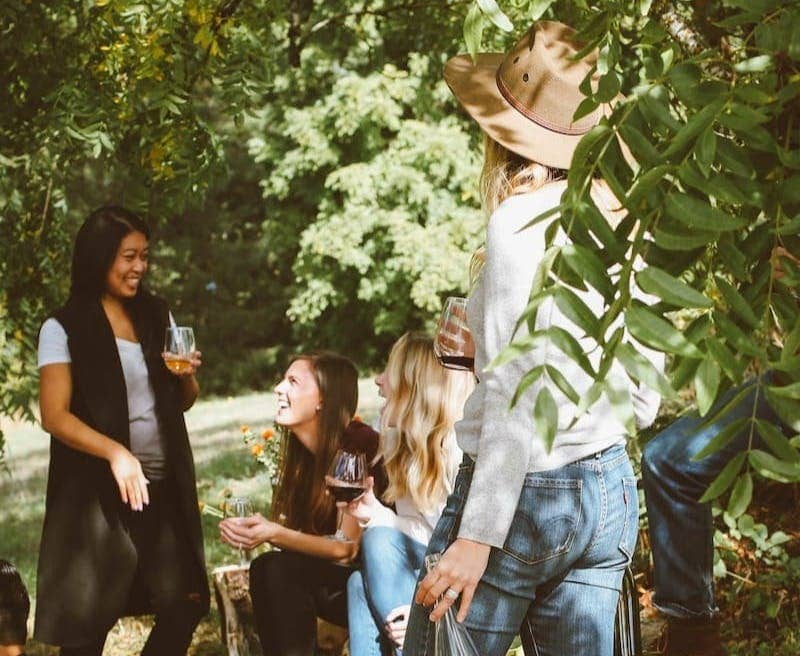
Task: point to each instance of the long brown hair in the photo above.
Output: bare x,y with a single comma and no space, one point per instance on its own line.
300,501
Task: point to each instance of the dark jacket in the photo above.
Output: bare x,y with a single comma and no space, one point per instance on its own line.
87,560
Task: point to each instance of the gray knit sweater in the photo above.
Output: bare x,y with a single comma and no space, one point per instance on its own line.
503,441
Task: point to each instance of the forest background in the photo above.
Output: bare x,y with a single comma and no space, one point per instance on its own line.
312,183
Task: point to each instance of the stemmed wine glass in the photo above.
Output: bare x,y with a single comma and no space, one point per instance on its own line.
240,507
346,481
179,345
452,344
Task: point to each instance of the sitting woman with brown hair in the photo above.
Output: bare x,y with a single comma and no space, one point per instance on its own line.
307,576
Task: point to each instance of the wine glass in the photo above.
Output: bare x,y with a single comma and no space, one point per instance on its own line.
240,507
452,344
179,345
346,481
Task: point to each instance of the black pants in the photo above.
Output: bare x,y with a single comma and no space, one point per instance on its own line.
290,590
165,579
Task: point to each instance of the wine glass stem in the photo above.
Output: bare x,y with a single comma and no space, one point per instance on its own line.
339,532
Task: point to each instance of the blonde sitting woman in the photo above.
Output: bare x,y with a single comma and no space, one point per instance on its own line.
423,401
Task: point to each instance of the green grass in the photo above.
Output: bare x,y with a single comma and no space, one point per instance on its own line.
223,464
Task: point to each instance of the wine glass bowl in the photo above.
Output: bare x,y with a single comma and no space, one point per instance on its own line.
179,346
238,508
452,343
346,481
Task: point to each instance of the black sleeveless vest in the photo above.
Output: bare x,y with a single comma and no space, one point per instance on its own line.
87,560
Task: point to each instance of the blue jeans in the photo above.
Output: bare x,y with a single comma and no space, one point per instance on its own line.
560,570
681,529
390,564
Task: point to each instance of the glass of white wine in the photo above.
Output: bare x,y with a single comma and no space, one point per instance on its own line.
179,345
240,507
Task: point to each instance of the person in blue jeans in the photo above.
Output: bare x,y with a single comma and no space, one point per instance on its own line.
423,402
681,528
538,532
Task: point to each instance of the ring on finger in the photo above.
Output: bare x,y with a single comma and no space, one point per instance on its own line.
451,594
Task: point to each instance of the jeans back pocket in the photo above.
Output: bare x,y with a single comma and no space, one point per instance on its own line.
546,519
630,528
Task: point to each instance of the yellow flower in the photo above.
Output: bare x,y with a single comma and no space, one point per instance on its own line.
257,449
268,434
245,429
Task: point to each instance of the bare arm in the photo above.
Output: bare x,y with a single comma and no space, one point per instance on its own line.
249,532
55,393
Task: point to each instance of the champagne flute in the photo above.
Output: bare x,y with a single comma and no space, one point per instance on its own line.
452,344
346,481
179,345
240,507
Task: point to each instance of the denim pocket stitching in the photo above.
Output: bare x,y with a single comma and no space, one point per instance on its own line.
559,484
627,482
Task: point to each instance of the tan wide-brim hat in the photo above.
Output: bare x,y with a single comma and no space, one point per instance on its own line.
525,99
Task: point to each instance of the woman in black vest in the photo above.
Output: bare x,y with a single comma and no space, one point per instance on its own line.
122,528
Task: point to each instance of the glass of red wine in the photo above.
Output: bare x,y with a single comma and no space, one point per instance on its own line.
346,481
453,343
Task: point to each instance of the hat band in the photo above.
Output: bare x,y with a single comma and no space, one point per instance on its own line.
533,116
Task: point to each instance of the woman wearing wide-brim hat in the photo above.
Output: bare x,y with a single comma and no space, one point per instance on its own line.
531,538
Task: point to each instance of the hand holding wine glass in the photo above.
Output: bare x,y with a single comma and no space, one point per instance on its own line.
453,343
179,353
346,481
240,508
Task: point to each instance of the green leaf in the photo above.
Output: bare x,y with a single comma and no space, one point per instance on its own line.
791,391
787,409
622,406
608,87
658,333
706,384
545,417
725,478
696,213
770,467
737,302
671,290
777,442
640,369
722,438
590,267
586,107
577,312
568,345
727,361
687,241
527,380
645,183
741,495
735,336
563,384
640,146
496,15
706,150
599,135
474,24
589,398
514,350
694,126
537,9
754,64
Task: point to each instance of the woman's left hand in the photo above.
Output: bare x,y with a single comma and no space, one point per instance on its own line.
247,532
459,570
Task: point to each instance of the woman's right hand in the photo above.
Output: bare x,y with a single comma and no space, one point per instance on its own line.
362,508
128,474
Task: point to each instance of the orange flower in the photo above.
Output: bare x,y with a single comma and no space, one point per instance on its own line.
268,434
245,429
257,449
358,418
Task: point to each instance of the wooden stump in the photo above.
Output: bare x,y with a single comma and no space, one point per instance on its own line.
232,591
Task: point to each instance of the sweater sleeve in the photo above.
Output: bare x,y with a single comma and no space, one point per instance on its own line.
506,434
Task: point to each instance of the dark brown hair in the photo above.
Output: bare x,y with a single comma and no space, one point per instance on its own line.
300,500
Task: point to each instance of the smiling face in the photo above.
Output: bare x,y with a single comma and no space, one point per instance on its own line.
129,266
299,399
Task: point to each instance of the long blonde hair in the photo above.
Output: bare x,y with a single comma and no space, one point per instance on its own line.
424,402
505,174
